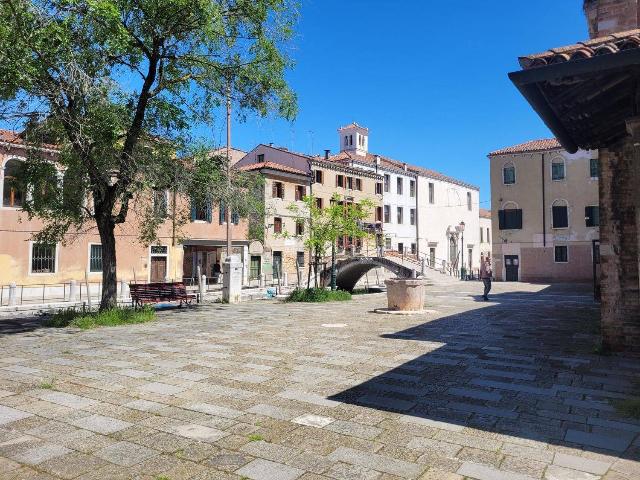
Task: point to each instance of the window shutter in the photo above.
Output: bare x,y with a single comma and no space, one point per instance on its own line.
274,189
501,219
208,211
560,217
221,214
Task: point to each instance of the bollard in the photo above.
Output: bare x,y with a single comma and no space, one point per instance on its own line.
73,291
124,289
285,279
201,286
13,291
262,279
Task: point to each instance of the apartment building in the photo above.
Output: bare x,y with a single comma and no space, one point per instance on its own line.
398,188
176,254
545,212
283,235
485,232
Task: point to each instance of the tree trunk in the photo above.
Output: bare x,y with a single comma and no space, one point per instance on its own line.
106,228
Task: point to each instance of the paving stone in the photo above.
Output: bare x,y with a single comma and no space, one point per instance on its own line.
354,429
473,393
376,462
101,424
311,420
308,398
554,472
484,472
440,424
344,471
8,415
144,405
68,400
614,425
216,410
265,470
127,372
617,443
274,412
161,388
41,453
199,432
540,455
270,451
125,454
580,463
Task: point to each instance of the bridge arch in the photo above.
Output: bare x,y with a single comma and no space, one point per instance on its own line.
350,270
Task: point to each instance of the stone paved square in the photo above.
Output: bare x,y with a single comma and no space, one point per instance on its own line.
504,390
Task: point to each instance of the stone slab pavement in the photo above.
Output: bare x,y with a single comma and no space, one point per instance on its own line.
502,390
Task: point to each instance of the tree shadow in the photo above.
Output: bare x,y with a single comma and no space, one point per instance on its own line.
521,365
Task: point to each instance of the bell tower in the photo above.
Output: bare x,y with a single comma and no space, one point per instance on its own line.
354,138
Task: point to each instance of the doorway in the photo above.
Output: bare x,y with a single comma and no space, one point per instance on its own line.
158,269
511,264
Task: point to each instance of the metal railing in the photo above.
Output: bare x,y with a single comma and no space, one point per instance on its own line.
32,294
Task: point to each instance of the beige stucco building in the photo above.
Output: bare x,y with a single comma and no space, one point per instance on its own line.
545,212
485,232
176,254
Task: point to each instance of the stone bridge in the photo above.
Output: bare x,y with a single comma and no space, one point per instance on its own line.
350,270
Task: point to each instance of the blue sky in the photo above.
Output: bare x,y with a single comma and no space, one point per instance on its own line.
428,78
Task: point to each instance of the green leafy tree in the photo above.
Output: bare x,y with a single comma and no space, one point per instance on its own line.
118,84
324,226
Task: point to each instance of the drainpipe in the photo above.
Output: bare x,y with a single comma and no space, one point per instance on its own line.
544,208
417,225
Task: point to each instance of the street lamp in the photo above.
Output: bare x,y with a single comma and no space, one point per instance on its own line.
462,269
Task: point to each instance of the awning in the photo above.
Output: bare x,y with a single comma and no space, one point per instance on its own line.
212,243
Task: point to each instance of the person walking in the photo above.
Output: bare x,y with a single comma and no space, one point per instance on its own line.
486,274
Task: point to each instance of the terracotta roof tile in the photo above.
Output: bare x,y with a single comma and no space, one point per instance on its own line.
272,166
613,43
484,213
15,138
531,146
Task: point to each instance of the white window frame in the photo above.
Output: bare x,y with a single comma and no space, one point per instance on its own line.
166,255
561,202
554,254
89,258
43,274
515,173
26,193
564,169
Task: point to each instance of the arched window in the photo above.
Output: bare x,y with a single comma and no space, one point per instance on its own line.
510,217
509,173
560,214
12,190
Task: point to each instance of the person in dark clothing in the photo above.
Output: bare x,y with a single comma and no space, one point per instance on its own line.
485,274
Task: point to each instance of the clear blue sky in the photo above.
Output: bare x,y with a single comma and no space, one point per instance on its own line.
428,78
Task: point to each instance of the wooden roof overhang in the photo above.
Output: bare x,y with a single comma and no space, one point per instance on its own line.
585,102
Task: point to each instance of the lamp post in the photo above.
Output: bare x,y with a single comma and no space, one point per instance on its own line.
462,269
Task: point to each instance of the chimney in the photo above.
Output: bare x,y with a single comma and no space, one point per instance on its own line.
404,167
377,160
326,154
605,17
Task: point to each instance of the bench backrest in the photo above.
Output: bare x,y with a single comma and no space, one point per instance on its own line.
160,290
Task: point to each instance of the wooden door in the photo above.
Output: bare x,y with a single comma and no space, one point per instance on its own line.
158,269
511,263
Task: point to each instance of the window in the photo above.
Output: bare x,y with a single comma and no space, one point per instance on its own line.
319,203
378,188
160,203
412,216
594,168
301,191
299,228
277,225
557,170
13,194
350,183
387,214
277,190
510,219
481,235
560,214
95,258
260,157
346,140
509,174
488,237
469,203
414,249
235,218
378,214
399,185
561,254
432,195
350,140
387,183
400,247
254,267
300,259
222,214
400,215
387,243
412,188
340,181
592,216
359,184
201,212
319,176
43,258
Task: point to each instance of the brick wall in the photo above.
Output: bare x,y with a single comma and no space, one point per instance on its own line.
620,244
610,16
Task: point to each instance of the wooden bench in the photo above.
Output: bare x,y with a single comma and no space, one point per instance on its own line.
142,293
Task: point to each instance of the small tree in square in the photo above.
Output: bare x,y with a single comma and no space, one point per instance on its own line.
324,226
